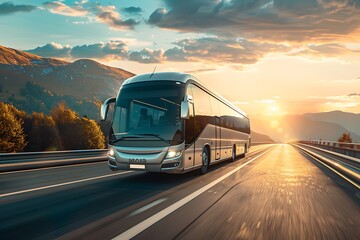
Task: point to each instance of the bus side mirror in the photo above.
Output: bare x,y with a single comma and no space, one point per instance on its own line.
185,107
105,108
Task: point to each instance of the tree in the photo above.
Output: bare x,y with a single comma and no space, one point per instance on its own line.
67,122
345,138
12,137
42,133
92,134
77,132
63,115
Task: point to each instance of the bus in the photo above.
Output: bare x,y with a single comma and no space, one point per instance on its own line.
171,122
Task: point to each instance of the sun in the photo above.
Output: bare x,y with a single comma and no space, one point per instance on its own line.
274,109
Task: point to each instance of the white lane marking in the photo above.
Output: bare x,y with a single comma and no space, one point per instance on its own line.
147,207
55,167
135,230
62,184
258,224
333,169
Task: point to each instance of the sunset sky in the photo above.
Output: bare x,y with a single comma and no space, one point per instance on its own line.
267,57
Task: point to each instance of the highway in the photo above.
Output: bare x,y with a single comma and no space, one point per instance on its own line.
275,192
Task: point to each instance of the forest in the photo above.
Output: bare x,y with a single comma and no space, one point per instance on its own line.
61,129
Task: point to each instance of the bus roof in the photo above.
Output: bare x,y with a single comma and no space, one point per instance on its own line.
178,77
161,76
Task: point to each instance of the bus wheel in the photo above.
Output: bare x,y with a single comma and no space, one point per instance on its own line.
233,156
205,161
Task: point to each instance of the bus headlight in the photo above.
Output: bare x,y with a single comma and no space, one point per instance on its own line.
111,153
172,154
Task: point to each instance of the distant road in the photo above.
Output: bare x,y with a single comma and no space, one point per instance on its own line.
275,192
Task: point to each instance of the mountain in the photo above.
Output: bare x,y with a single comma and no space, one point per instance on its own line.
33,83
13,57
260,138
350,121
299,127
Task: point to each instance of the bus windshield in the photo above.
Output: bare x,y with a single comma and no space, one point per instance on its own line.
148,112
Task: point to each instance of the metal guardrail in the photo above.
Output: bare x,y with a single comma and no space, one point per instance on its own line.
350,149
349,166
30,160
334,144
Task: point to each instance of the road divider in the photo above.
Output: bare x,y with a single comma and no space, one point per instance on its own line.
349,149
33,160
342,170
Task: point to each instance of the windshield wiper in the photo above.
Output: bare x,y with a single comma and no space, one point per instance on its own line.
154,135
121,138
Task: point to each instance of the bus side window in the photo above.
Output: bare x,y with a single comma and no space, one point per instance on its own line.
202,110
215,108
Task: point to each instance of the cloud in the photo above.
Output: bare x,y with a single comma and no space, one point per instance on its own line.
103,14
201,70
133,10
235,53
270,20
63,9
52,50
147,56
113,50
109,16
9,8
324,50
209,50
221,50
347,101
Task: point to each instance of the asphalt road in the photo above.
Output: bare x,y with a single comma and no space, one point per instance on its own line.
275,192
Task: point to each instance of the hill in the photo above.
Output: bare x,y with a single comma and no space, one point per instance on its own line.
33,83
13,57
260,138
350,121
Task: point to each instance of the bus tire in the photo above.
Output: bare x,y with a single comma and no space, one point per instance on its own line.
205,160
233,155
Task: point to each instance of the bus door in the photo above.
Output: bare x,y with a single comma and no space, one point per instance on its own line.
217,138
189,153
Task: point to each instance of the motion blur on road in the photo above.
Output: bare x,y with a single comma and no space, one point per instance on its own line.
275,192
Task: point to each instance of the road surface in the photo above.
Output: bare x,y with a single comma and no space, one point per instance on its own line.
275,192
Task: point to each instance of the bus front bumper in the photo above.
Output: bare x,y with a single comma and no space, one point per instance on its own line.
159,159
168,166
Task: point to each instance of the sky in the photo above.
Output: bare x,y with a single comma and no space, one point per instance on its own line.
268,57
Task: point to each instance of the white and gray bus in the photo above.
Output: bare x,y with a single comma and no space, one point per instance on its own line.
170,122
